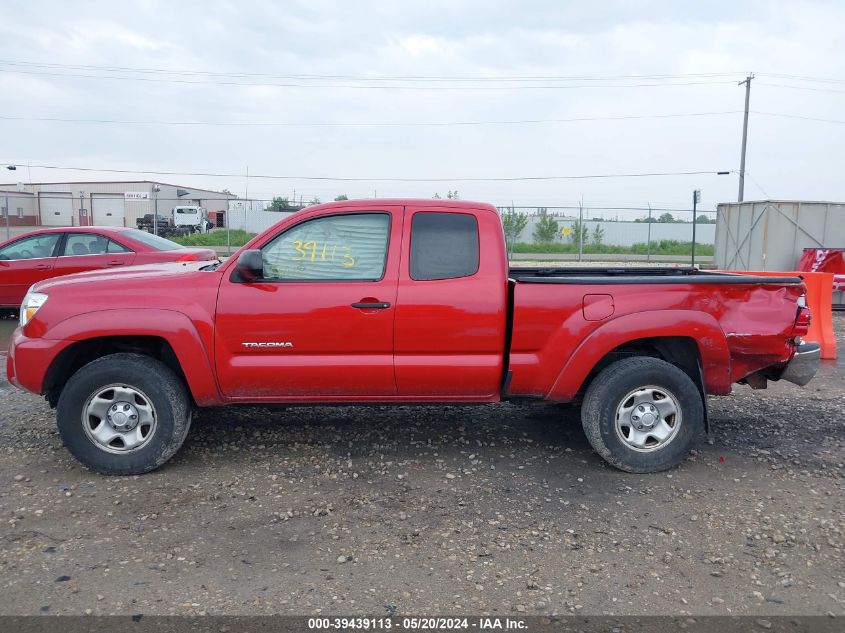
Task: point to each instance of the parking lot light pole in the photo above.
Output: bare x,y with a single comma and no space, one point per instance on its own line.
156,189
696,198
10,168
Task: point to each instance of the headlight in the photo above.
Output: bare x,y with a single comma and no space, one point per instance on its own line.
31,302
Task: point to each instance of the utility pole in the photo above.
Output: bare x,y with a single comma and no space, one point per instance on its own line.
648,243
696,198
747,83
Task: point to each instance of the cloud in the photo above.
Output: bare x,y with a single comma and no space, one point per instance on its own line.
788,157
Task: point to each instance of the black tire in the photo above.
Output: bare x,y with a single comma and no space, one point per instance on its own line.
607,393
163,388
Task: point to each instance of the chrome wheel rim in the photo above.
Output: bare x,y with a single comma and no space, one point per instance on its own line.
119,419
648,418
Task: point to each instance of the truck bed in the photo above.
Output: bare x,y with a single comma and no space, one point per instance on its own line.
571,318
636,275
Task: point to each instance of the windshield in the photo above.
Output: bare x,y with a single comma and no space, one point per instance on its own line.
153,241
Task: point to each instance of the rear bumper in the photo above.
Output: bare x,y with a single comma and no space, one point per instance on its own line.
804,364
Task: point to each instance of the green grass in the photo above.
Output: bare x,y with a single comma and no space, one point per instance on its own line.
658,247
216,237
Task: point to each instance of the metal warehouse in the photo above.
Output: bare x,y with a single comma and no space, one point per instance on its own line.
103,203
772,234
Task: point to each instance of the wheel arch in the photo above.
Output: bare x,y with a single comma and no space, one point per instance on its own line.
166,335
82,352
680,351
692,340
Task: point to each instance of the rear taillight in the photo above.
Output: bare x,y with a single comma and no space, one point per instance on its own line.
190,257
802,322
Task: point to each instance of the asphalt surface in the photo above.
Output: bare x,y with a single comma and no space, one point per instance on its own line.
501,509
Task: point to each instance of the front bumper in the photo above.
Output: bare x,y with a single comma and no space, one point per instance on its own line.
29,360
804,364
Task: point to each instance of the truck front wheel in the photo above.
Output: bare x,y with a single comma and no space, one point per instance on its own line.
123,414
642,414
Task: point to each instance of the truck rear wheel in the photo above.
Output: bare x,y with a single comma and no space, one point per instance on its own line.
124,414
642,414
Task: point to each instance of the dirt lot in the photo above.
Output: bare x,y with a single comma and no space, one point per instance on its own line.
501,509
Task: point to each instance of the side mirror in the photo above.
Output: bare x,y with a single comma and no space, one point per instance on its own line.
249,267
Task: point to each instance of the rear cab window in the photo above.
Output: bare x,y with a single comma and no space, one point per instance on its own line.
443,246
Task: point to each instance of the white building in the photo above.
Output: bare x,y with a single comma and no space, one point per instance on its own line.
105,203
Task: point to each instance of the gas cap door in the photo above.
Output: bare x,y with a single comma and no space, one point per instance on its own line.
597,307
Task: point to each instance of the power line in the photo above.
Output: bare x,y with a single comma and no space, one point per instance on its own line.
811,88
679,208
798,116
409,123
758,185
360,124
361,87
804,78
390,78
423,78
380,179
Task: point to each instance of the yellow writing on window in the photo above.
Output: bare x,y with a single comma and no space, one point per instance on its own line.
310,251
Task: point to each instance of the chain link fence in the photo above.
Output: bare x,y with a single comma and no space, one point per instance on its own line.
610,234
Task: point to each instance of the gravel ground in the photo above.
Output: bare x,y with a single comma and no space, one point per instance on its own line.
436,510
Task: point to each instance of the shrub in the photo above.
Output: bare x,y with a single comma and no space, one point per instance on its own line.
546,230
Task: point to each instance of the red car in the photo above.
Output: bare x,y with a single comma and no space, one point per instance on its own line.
46,253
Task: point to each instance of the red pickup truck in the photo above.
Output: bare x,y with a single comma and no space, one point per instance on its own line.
399,301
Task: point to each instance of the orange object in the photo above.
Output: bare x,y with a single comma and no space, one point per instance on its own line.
819,300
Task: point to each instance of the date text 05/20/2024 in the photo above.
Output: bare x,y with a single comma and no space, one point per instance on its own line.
418,623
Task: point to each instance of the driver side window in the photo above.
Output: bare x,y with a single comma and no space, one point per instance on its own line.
347,247
35,247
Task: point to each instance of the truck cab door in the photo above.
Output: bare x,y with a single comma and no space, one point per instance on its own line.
451,313
319,323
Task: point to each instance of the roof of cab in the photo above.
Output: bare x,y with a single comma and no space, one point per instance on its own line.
432,204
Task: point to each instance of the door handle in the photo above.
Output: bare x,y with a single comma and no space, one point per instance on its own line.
375,305
42,267
115,263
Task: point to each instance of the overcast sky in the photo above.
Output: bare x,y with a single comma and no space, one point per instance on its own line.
701,50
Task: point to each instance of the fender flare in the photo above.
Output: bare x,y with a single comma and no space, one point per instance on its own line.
175,327
701,327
